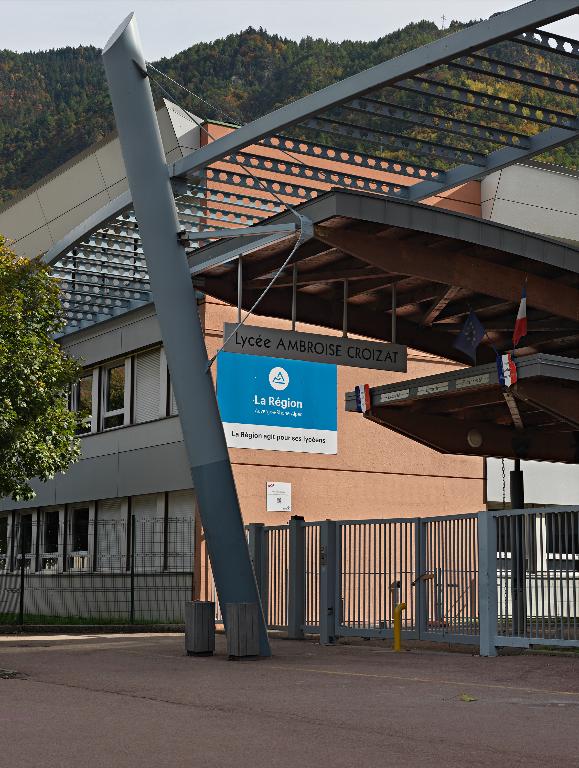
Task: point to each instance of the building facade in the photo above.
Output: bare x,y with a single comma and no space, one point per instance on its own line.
133,462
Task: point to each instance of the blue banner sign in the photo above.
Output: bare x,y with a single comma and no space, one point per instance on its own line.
273,404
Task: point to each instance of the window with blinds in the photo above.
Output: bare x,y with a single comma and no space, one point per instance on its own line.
147,386
111,536
149,532
180,531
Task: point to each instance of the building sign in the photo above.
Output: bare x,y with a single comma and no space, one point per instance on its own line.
315,347
278,497
278,405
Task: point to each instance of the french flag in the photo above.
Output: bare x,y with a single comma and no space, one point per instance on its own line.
521,321
363,401
507,370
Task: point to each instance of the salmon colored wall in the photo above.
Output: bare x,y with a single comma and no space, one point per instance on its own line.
376,473
463,199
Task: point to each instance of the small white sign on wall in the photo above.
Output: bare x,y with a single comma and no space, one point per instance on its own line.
278,497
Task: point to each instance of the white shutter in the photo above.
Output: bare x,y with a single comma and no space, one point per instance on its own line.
147,385
181,531
149,533
173,404
111,536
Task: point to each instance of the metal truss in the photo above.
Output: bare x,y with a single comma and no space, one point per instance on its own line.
409,128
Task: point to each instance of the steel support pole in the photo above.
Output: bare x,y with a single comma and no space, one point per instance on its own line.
329,559
296,579
420,605
178,317
256,536
518,551
487,583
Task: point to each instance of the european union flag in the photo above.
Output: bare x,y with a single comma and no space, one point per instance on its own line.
471,336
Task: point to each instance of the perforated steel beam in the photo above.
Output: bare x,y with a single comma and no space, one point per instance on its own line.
178,317
400,73
500,158
499,27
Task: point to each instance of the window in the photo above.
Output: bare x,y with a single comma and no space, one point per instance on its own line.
114,396
24,542
51,531
25,535
147,373
79,530
82,403
3,543
562,540
50,540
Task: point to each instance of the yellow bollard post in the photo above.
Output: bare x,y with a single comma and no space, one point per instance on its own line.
398,626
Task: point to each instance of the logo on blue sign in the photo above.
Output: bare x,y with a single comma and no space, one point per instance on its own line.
267,391
278,378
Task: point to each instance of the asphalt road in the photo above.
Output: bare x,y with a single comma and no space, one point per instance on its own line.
122,701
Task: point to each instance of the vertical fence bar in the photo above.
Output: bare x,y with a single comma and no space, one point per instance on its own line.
257,553
420,582
132,539
22,569
296,578
328,596
487,585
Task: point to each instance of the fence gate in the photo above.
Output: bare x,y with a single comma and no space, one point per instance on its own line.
376,570
447,579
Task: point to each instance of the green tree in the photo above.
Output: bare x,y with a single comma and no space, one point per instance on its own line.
37,430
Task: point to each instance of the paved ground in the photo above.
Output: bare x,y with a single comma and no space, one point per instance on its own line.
119,702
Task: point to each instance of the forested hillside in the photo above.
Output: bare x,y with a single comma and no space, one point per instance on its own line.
55,103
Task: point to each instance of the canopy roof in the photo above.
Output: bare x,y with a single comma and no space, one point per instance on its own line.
409,128
468,412
443,265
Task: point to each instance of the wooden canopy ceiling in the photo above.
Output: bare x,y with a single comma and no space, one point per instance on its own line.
468,412
443,265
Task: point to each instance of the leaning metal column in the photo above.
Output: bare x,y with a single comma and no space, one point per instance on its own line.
178,316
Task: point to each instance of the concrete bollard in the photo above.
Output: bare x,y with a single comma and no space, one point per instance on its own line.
200,628
242,630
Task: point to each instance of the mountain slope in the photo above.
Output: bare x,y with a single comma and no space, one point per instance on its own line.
53,104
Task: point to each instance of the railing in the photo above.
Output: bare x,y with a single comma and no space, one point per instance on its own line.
537,576
312,577
450,577
345,578
107,572
508,577
377,571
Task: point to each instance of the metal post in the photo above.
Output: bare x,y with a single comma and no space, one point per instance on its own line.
518,568
22,571
487,583
294,295
255,542
132,539
420,598
398,626
239,288
296,578
328,583
394,307
345,311
178,316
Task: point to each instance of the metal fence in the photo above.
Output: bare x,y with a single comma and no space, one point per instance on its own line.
345,578
136,571
536,562
450,578
514,571
507,577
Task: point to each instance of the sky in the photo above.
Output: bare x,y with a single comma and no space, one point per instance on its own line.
169,26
